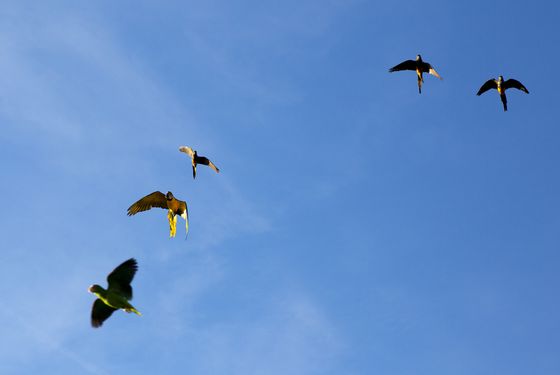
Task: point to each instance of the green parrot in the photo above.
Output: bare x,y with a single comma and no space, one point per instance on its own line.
117,295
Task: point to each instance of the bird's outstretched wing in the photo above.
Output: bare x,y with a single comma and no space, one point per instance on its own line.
427,68
405,65
211,165
490,84
187,150
155,199
119,280
206,161
513,83
100,312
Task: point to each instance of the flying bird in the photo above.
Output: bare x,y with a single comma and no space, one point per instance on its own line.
158,199
419,66
117,294
501,85
197,159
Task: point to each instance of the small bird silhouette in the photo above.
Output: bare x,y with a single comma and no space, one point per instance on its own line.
197,159
158,199
419,66
117,294
501,85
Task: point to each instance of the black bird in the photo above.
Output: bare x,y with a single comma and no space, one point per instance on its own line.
501,85
197,159
419,66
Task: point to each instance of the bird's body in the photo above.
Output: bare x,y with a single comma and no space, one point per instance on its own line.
501,86
117,294
419,66
174,206
195,159
114,300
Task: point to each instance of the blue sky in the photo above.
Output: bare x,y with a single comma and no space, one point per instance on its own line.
356,227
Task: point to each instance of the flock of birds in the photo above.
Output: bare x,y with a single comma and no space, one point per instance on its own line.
119,292
498,84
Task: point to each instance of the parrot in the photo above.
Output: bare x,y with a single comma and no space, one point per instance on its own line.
158,199
197,159
117,294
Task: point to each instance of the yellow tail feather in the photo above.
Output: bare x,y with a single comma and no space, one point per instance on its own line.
133,309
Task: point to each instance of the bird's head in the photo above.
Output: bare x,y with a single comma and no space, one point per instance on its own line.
418,58
501,78
95,289
169,196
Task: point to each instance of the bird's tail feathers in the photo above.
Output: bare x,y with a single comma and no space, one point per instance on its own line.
133,309
504,101
172,223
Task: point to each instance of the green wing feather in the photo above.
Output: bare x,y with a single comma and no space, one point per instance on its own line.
100,312
119,280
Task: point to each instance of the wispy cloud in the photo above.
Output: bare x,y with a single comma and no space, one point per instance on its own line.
291,334
41,330
93,119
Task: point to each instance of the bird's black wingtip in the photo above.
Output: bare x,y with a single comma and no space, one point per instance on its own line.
130,263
